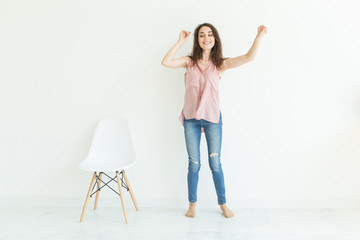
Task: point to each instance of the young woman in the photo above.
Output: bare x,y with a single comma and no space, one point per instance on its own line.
201,111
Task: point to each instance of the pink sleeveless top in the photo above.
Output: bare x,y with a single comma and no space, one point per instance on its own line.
201,94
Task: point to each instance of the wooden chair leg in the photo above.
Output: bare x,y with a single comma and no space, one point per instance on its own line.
121,196
130,190
88,196
98,192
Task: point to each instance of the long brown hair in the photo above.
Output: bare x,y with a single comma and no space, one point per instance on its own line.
216,52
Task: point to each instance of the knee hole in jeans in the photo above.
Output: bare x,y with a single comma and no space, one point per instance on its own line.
194,165
214,162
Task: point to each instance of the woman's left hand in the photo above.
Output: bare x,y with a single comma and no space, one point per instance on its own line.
261,31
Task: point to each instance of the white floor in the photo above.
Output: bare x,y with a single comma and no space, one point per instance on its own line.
151,223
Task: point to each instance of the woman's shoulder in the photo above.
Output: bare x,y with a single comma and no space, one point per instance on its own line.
223,66
188,60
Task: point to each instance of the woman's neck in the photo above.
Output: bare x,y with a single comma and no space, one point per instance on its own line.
206,55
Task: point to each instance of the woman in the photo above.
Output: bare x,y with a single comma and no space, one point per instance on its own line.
201,111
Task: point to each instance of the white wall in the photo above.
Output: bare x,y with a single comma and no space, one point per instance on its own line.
291,130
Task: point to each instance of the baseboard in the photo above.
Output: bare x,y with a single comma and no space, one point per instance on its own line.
114,201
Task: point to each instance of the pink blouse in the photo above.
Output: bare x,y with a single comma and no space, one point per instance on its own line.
201,94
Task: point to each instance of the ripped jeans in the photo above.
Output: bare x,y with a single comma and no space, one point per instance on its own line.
213,134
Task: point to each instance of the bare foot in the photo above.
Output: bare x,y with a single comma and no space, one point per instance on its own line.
191,211
226,211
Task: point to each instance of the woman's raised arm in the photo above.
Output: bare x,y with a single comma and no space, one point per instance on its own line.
169,60
249,56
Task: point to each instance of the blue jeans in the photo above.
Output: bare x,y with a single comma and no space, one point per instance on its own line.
213,134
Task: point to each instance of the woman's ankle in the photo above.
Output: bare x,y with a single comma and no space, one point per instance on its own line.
226,211
191,211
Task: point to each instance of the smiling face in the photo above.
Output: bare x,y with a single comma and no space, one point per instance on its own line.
206,38
207,43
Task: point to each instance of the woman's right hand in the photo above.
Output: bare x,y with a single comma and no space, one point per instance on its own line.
184,36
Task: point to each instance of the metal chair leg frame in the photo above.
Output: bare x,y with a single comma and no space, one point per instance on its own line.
96,181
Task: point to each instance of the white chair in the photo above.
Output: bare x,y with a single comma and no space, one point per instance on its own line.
112,150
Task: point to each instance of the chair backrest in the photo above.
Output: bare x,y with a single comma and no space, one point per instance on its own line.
112,143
